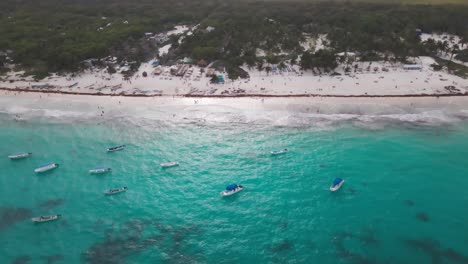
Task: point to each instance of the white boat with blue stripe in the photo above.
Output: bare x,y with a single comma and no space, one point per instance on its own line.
46,167
117,148
279,152
115,191
42,219
21,155
336,185
100,170
169,164
232,189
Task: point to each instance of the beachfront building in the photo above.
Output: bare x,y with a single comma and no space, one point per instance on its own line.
187,60
202,63
160,38
89,63
179,70
40,86
210,72
418,32
217,79
158,70
346,54
413,67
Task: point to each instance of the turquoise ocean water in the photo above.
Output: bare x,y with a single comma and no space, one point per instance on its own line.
404,200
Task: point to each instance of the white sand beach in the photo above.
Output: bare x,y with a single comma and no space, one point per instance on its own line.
367,79
292,111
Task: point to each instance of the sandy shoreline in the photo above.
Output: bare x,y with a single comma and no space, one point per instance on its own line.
255,112
22,102
122,94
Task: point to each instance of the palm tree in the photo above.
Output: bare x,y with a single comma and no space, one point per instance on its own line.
282,65
267,69
445,47
463,40
454,50
260,66
214,78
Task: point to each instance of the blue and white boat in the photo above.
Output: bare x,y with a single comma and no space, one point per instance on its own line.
278,152
115,191
100,170
42,219
169,164
112,149
232,189
21,155
336,184
46,167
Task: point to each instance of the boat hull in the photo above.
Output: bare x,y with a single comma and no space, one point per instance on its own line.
336,187
45,219
169,164
115,191
19,156
46,168
99,171
277,153
116,148
229,193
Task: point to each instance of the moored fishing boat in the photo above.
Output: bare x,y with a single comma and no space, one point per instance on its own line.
115,191
20,155
100,170
336,185
169,164
42,219
112,149
232,189
46,167
279,152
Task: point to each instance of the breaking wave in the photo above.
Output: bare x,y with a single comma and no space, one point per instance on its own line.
230,116
252,112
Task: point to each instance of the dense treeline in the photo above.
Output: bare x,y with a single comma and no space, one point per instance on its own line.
56,35
50,35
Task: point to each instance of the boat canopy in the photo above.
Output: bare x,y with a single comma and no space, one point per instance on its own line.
45,164
337,181
231,187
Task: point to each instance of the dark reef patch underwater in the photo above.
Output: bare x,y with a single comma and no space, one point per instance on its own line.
138,235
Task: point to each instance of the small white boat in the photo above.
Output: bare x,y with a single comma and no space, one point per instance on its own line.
42,219
100,170
46,167
169,164
336,185
232,189
116,148
20,155
115,191
279,152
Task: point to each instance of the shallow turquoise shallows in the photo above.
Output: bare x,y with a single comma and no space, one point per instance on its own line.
404,199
